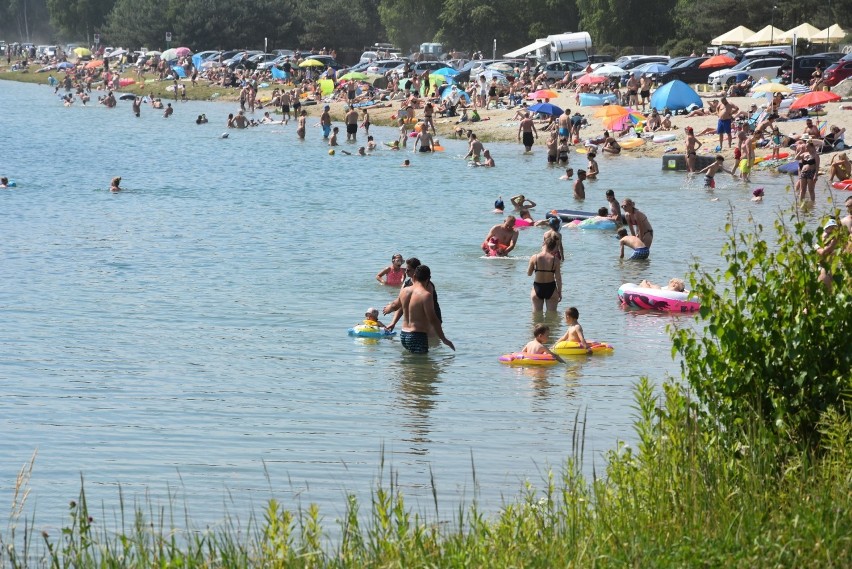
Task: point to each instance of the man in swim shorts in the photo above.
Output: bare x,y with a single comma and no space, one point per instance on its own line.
418,314
725,111
640,251
351,121
527,128
325,122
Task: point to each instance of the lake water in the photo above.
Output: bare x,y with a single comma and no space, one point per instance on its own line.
189,333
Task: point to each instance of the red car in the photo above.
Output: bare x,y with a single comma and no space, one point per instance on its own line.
838,72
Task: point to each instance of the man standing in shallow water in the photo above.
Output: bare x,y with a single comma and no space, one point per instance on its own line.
501,239
725,111
418,314
527,129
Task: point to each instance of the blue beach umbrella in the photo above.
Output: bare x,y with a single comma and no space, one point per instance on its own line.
445,90
656,68
675,96
181,72
546,109
446,72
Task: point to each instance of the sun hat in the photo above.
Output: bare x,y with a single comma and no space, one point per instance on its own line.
829,224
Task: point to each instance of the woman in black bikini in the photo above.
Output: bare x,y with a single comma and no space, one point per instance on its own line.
547,282
808,169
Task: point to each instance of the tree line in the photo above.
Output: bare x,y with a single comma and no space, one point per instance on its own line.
349,25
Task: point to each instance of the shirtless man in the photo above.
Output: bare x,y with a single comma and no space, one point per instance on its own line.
564,124
325,122
725,111
137,106
418,313
633,91
640,250
168,112
475,149
300,131
527,128
645,90
424,139
692,146
639,220
285,106
521,201
240,121
351,121
501,239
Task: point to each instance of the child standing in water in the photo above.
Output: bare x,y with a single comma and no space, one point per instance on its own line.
537,346
394,274
575,331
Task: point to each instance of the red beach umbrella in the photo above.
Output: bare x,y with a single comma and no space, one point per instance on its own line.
814,98
718,61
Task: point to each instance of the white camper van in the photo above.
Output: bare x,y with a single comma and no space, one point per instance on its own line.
558,47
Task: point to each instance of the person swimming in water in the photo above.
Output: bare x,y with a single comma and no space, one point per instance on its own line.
574,333
115,185
640,250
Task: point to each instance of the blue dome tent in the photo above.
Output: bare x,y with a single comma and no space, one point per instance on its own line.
675,96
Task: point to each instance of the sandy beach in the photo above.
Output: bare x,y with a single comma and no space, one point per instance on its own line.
498,126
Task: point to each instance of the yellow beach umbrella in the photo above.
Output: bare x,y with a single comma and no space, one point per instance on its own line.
771,88
311,63
82,52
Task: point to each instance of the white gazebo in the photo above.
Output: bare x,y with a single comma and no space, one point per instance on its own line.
830,34
766,36
733,37
802,31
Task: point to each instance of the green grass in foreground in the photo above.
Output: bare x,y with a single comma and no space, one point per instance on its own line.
682,498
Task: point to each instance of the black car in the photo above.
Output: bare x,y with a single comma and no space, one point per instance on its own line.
689,71
805,67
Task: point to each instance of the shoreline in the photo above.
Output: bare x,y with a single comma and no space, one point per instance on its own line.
497,124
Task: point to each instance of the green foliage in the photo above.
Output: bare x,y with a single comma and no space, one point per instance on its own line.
409,22
674,48
339,24
79,18
682,497
777,346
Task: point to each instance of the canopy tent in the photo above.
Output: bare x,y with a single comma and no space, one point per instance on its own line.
766,36
802,31
733,37
537,44
675,96
830,34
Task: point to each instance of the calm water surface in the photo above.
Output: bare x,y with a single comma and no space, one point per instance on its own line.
190,333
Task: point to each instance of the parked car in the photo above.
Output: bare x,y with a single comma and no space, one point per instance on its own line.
328,61
636,61
601,58
755,68
806,65
256,60
689,71
384,65
556,70
838,72
241,60
369,56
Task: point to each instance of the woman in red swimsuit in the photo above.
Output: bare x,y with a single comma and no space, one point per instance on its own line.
394,274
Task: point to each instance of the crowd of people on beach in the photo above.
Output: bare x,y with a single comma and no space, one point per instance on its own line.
417,101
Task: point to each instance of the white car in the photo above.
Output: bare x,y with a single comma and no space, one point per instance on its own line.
384,65
755,68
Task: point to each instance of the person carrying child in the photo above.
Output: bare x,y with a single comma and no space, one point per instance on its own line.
574,333
537,345
711,170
